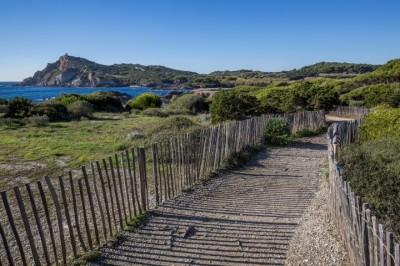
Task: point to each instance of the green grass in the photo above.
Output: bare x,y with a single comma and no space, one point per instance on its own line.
71,143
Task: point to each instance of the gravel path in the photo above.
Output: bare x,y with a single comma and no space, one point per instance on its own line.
242,217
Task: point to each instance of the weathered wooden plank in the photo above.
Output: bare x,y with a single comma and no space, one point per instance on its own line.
105,198
381,245
38,223
132,192
91,205
59,217
75,210
5,245
128,202
67,216
96,193
396,254
116,193
389,249
110,192
27,226
85,218
47,214
155,172
135,177
121,189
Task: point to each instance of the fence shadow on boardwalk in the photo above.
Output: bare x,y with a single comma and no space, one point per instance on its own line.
57,219
365,238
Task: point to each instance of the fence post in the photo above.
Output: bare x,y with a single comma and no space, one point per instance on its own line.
155,172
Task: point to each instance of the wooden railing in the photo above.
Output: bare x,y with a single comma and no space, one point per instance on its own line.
53,221
366,240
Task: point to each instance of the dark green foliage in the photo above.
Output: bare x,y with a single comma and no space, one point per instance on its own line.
154,112
53,110
330,68
169,127
277,131
66,99
39,120
384,121
303,95
232,105
19,107
206,82
107,101
373,95
80,109
387,73
189,103
374,171
3,101
144,101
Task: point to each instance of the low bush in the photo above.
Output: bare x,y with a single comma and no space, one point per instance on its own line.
384,121
154,112
189,103
53,110
374,95
104,101
80,109
171,126
19,107
39,120
233,105
3,109
3,101
373,168
144,101
277,131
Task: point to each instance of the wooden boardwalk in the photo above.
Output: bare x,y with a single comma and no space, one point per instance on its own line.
241,217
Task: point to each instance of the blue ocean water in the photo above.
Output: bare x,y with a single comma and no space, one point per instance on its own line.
38,94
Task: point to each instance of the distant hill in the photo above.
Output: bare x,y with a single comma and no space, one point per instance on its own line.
80,72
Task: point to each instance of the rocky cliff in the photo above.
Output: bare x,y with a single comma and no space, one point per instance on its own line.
70,71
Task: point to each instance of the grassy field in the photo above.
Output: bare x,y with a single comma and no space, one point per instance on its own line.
28,153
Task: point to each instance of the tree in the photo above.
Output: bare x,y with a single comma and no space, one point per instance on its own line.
232,105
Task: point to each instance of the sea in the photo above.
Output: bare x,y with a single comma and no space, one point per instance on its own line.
8,90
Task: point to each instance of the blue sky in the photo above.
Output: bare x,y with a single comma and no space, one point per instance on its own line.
197,35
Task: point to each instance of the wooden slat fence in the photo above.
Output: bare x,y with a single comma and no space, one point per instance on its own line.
366,240
53,221
351,112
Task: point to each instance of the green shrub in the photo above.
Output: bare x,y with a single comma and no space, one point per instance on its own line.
373,168
19,107
107,101
384,121
144,101
169,127
67,99
189,103
374,95
3,101
232,105
53,110
3,109
277,131
39,120
80,109
154,112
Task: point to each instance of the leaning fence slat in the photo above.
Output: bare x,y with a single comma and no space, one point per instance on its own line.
121,190
5,244
155,172
27,226
397,254
116,193
91,204
38,223
128,202
75,210
49,225
128,159
111,197
68,218
96,193
58,215
105,198
381,245
389,249
13,227
85,218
